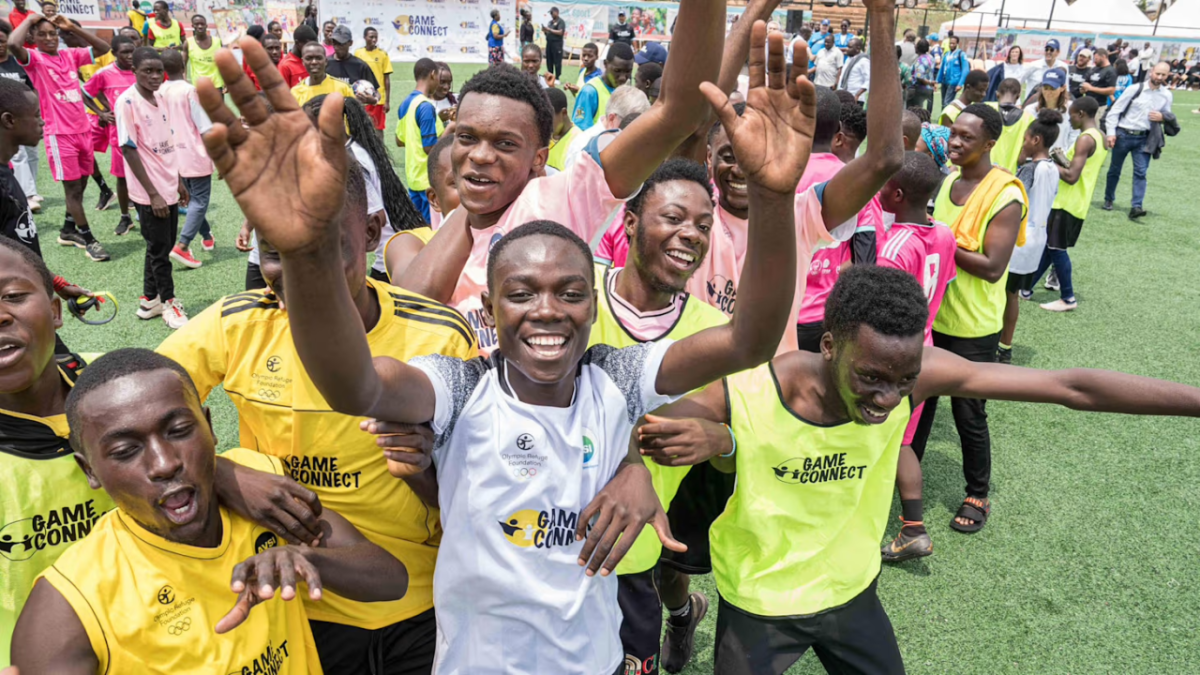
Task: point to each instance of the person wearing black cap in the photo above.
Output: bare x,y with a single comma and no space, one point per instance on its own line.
652,52
554,30
348,68
621,31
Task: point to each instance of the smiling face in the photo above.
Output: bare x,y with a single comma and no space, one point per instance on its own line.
199,26
445,84
952,43
671,235
162,12
543,308
45,36
28,319
731,182
497,151
1014,56
873,373
147,441
968,142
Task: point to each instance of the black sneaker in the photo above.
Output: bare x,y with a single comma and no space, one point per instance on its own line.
1107,206
124,226
680,640
71,237
96,252
107,198
1004,356
1136,213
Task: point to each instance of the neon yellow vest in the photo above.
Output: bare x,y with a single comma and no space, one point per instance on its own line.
416,160
801,532
602,96
46,505
607,330
201,62
166,37
558,149
1007,151
1077,199
971,306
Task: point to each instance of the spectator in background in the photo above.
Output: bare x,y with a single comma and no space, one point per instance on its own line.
381,67
200,51
495,39
953,72
1014,65
531,62
1101,83
418,131
620,32
924,78
646,76
275,28
1135,66
555,30
587,70
189,122
1035,72
25,161
828,64
318,81
327,37
1078,73
1124,79
564,131
273,47
349,68
856,73
444,100
842,39
1132,116
1052,94
291,66
1147,57
526,27
908,48
819,38
164,31
592,100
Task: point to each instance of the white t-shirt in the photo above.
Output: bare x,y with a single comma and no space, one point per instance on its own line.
859,77
829,61
374,201
513,479
1066,134
1041,188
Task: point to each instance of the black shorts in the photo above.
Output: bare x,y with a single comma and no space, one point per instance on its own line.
808,336
1020,282
1062,229
404,648
856,637
701,498
641,622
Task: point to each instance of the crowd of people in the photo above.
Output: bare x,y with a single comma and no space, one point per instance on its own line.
696,298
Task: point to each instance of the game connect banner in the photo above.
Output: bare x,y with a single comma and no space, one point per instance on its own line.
443,30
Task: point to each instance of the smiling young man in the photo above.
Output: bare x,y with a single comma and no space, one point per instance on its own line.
592,95
207,576
318,81
243,343
545,423
795,552
381,66
68,133
973,90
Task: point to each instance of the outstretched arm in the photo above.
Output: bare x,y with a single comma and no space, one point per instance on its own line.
289,178
695,57
946,374
772,140
860,180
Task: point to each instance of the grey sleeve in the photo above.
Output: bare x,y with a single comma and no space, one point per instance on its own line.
454,380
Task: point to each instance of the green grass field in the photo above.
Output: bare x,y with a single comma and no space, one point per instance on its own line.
1089,564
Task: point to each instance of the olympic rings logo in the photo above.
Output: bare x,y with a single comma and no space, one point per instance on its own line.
180,627
523,472
269,394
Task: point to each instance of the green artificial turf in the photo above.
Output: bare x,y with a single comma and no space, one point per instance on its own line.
1089,564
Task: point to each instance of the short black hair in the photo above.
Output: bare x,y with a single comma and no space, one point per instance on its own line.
26,255
271,24
628,119
5,27
366,30
1122,66
890,301
1046,126
592,46
172,60
558,99
854,122
532,47
976,78
922,46
993,123
143,54
304,34
119,40
531,229
436,156
670,170
164,3
1009,85
910,125
1086,105
919,177
619,50
921,113
829,116
112,366
649,72
739,108
423,68
14,97
507,81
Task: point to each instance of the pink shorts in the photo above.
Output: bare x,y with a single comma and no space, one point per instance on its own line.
99,134
70,156
911,429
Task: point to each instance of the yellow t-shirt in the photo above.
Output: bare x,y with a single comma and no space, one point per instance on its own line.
86,72
244,343
305,92
422,233
380,64
149,605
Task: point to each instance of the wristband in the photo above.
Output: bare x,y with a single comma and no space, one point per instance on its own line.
60,283
733,438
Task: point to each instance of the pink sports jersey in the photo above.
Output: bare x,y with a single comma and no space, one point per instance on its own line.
56,80
827,262
646,327
614,245
144,125
112,82
578,198
189,121
926,251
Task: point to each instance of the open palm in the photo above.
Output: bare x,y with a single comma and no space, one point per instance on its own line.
288,176
772,139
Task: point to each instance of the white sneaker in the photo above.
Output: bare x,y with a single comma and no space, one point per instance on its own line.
1052,282
1059,306
173,314
149,308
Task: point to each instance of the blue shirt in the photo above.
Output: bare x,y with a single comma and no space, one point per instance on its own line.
426,119
817,39
841,41
586,104
955,67
493,29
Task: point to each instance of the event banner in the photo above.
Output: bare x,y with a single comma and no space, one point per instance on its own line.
443,30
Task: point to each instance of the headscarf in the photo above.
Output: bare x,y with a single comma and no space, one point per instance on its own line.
936,138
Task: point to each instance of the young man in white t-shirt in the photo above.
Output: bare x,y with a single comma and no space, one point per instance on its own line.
533,443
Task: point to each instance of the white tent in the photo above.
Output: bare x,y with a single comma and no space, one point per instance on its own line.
1180,20
1091,16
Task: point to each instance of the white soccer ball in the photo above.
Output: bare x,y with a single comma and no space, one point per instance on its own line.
364,88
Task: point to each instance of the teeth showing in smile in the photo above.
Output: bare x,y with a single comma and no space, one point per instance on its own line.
480,181
680,255
737,185
182,510
547,340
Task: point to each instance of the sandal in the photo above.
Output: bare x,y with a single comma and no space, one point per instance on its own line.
973,508
907,545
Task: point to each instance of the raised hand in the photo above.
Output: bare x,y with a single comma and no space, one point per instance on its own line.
288,177
621,509
256,580
773,138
